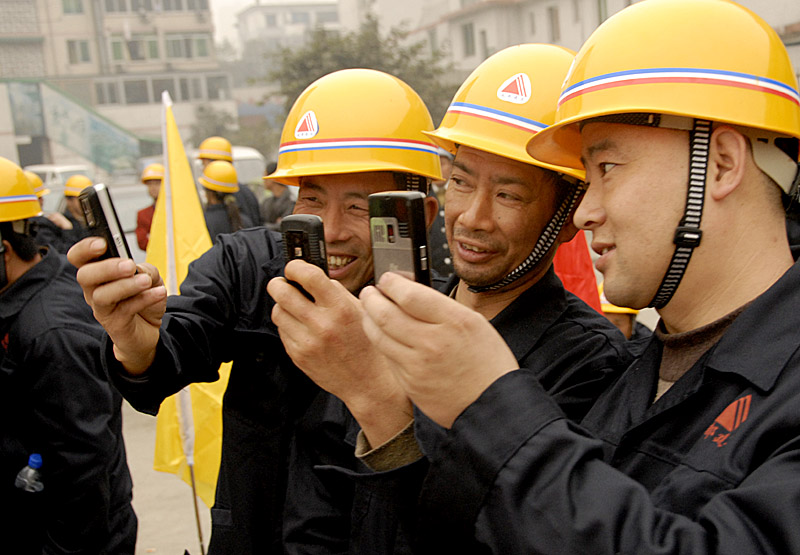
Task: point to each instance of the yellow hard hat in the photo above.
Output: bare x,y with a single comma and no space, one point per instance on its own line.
75,184
215,148
37,184
353,121
220,176
153,172
18,200
607,307
706,59
511,96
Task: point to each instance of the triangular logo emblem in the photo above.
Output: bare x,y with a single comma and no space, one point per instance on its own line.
307,127
516,89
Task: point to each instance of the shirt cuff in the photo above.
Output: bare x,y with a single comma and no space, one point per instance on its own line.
400,450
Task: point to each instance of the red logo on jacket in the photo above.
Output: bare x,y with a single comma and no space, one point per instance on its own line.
728,420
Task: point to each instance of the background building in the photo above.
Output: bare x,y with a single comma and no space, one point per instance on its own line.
469,31
81,80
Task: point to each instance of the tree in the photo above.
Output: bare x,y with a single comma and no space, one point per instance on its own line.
209,122
326,52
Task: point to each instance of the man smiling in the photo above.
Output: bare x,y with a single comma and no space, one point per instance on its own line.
223,311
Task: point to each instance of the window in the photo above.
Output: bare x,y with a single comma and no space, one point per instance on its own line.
191,88
172,5
78,51
136,92
217,87
327,17
532,23
194,45
116,51
576,10
555,28
106,93
270,20
196,4
140,47
160,85
116,6
73,6
141,5
300,17
484,45
468,38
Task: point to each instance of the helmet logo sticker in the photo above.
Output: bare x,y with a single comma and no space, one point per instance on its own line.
516,89
307,127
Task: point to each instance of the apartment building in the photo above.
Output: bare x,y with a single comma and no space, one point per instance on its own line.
471,30
106,63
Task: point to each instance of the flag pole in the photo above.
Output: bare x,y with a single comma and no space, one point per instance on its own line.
184,400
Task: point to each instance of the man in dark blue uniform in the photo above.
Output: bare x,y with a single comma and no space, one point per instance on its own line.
505,215
224,313
55,400
686,117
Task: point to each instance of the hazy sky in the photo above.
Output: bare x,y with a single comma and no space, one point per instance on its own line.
224,14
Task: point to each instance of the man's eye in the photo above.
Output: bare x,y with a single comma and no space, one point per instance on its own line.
606,167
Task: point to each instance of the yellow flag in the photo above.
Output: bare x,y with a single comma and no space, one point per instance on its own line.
189,424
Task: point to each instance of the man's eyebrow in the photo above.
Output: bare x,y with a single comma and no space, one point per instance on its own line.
602,146
462,167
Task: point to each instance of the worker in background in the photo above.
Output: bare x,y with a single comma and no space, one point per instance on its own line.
73,212
278,204
219,148
51,228
152,177
221,207
55,400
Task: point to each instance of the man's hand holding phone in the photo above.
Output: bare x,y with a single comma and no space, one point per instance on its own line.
129,305
326,340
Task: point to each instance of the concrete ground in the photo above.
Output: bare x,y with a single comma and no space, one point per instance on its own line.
163,502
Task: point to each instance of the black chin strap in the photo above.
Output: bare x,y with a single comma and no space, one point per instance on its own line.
543,244
3,275
688,234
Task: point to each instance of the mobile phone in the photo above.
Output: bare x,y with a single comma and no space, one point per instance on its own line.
399,235
102,220
304,238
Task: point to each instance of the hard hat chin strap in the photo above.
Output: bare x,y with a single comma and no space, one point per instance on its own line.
543,245
3,274
688,233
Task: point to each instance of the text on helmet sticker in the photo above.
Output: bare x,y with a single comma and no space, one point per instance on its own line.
307,127
516,89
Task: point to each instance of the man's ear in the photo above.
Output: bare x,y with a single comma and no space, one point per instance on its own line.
727,161
431,209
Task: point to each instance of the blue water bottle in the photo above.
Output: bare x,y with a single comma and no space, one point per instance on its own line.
29,478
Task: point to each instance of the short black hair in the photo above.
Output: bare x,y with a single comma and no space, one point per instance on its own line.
24,245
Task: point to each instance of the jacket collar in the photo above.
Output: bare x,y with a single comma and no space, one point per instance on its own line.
13,299
760,342
529,316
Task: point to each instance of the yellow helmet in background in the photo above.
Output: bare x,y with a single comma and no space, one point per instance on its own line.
18,200
220,176
354,121
511,96
37,183
215,148
706,59
153,172
75,184
609,308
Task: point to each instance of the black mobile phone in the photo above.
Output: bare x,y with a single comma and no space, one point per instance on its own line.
304,238
102,220
399,236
